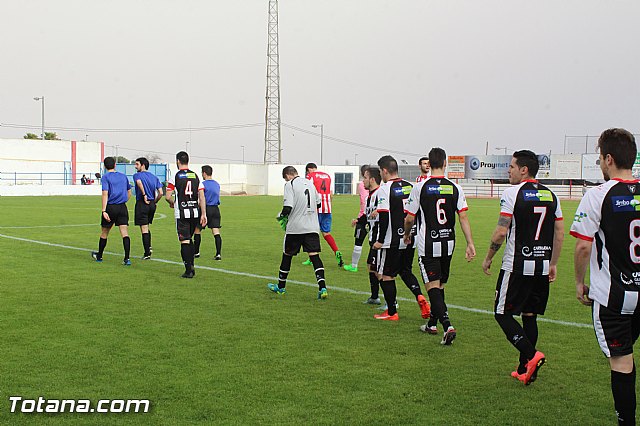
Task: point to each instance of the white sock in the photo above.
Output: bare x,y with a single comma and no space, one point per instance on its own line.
355,257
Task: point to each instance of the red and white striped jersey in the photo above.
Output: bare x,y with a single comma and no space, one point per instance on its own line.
423,177
322,182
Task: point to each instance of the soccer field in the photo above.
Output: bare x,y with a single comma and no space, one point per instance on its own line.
221,348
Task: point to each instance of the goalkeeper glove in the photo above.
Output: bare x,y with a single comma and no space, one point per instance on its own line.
282,220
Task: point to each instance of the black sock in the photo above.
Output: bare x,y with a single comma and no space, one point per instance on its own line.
149,241
101,246
285,267
374,282
319,270
197,238
186,252
411,282
146,243
515,335
192,254
438,309
218,239
623,387
126,243
389,291
530,327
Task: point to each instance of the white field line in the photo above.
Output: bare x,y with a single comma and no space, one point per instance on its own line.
96,224
264,277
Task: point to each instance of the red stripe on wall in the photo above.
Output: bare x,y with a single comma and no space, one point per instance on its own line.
101,151
73,162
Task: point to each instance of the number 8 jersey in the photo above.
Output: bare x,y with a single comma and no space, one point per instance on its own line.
533,209
186,185
609,216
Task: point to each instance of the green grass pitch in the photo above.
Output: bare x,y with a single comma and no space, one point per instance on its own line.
222,349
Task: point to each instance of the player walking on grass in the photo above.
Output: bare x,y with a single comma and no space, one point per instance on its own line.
607,228
435,202
395,254
189,207
299,219
116,191
531,221
322,182
372,180
360,225
148,193
212,196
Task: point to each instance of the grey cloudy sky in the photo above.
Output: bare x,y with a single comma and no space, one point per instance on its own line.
403,74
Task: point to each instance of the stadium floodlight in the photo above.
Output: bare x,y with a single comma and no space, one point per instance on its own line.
315,126
504,147
38,98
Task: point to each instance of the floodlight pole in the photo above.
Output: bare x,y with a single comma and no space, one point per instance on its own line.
41,98
315,126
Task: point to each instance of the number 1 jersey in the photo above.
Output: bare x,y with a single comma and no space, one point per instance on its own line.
301,196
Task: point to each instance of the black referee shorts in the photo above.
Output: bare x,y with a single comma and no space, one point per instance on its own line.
118,214
310,243
213,217
616,333
144,212
517,293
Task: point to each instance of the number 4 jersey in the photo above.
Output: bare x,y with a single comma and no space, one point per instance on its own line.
609,216
186,185
533,209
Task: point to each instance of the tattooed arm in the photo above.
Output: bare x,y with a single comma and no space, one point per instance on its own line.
498,237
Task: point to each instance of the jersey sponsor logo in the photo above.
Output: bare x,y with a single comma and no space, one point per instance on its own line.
440,189
577,218
535,251
625,203
532,195
402,190
441,233
526,251
634,280
434,234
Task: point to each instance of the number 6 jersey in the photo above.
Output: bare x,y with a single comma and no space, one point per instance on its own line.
533,209
609,216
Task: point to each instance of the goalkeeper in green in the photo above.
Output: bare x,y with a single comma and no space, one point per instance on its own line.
299,220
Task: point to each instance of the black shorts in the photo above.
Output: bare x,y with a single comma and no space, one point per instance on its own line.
394,261
186,228
616,333
372,258
310,243
360,233
213,217
517,293
144,212
435,268
118,214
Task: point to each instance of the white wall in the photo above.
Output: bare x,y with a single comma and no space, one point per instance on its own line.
48,190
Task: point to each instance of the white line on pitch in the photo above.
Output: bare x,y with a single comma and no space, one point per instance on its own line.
96,224
264,277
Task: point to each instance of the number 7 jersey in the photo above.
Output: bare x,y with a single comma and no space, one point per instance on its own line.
533,209
609,217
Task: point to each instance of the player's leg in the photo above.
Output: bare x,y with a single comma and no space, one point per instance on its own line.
126,243
445,268
102,243
325,220
218,239
141,219
388,266
214,224
197,239
290,247
616,335
359,234
374,278
311,245
410,280
431,271
186,228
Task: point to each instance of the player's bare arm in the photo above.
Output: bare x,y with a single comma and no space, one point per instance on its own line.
558,238
470,252
128,195
160,193
105,198
169,197
141,189
498,237
580,263
203,207
409,221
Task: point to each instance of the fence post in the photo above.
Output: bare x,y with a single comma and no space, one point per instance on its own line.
15,178
570,188
40,178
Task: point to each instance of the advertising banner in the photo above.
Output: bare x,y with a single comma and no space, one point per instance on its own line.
455,167
636,167
591,167
566,166
487,166
544,171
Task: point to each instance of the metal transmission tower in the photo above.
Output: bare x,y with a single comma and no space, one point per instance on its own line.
272,134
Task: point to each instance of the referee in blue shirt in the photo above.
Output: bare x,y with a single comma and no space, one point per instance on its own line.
148,193
212,195
116,191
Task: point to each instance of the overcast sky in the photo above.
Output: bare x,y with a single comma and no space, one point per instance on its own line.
405,75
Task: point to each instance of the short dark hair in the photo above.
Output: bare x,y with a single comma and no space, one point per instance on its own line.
182,157
289,171
310,166
529,159
363,169
437,157
109,163
388,163
374,173
423,159
144,162
620,144
208,170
